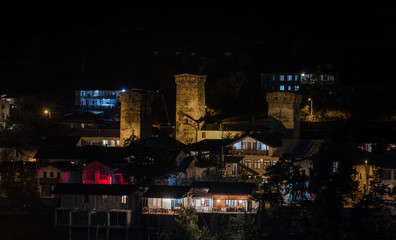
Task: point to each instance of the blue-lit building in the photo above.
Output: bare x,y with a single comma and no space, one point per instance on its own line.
97,98
291,82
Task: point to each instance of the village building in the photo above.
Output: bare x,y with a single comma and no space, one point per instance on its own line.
96,210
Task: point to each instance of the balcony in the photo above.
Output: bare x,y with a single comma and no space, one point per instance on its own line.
249,152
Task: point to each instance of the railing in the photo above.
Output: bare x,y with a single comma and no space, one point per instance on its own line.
161,211
249,152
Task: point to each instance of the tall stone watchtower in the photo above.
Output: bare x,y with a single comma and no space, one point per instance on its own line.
284,113
190,106
136,115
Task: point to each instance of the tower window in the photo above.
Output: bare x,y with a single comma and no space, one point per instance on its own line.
203,134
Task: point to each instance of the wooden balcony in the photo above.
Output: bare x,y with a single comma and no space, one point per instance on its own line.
249,152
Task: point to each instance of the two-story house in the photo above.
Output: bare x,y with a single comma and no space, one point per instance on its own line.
251,154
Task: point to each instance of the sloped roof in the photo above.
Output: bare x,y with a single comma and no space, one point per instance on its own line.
65,166
210,144
166,191
299,148
248,169
183,166
56,140
166,142
237,188
85,153
385,160
87,132
94,189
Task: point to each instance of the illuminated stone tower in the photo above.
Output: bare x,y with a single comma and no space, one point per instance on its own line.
135,114
284,113
190,106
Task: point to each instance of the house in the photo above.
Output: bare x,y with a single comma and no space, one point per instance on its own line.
102,172
191,169
80,155
251,154
164,199
98,137
208,197
100,210
54,173
224,197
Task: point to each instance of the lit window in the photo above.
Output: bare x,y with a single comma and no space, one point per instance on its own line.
248,163
296,88
118,142
281,78
105,142
289,88
124,199
257,164
289,78
282,88
206,203
295,77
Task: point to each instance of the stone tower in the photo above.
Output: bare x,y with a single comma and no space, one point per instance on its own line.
135,114
284,113
190,106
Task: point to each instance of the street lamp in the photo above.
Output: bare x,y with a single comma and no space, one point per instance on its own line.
309,99
367,175
48,113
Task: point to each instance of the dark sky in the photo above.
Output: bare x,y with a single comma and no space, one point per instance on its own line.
64,45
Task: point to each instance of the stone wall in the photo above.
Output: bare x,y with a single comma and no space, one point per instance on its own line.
190,106
284,113
136,114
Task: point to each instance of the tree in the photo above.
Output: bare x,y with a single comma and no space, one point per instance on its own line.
187,220
18,181
332,179
277,177
148,164
244,227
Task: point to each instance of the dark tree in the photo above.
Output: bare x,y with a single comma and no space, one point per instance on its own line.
148,164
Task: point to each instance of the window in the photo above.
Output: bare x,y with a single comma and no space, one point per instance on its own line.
203,134
249,144
230,203
296,88
257,164
387,175
259,146
255,146
206,203
266,163
282,88
281,78
51,174
289,78
295,77
185,121
105,142
44,174
248,163
394,174
289,88
118,142
273,77
124,199
243,145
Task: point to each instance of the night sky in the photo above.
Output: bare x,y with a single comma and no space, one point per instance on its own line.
58,46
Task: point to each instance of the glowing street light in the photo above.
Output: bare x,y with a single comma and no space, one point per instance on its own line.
310,99
48,113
